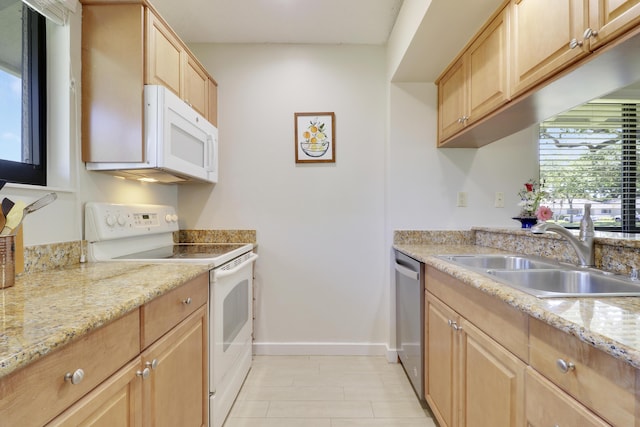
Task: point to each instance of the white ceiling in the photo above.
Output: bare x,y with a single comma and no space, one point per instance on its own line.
281,21
443,31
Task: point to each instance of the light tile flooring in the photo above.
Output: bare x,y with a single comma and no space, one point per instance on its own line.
326,391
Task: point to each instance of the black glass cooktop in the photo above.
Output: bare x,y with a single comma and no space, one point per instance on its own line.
185,251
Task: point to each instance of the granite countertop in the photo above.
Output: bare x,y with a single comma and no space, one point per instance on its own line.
46,310
609,324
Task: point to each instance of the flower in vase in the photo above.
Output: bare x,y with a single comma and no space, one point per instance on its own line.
530,198
543,213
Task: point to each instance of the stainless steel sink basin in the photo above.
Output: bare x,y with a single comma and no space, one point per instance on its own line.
546,278
565,283
502,262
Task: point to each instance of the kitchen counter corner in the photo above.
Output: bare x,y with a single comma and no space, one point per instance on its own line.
47,310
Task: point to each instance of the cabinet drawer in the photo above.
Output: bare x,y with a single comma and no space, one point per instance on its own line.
116,402
505,324
163,313
601,382
35,394
547,405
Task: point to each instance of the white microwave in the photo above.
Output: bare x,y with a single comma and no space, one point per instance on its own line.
180,144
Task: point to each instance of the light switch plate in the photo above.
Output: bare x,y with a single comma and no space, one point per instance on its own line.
462,199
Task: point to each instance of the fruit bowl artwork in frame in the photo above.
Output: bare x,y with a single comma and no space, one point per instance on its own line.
315,137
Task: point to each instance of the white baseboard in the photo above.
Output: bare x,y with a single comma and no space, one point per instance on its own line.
324,349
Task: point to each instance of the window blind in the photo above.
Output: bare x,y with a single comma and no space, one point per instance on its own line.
54,10
588,155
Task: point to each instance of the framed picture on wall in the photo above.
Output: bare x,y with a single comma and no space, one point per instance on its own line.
315,137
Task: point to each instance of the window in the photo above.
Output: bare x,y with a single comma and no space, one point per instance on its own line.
588,155
23,91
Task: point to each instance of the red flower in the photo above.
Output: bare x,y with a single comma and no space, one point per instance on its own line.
529,186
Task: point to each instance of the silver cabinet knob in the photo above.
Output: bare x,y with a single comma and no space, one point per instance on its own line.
144,373
574,43
153,364
74,378
454,325
588,33
187,301
565,366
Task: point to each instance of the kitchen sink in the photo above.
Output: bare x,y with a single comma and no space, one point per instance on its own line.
545,278
563,282
502,262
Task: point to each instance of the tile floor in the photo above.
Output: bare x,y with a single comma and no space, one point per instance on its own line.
326,391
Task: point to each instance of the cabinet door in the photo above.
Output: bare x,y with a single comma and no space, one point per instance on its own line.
164,55
112,78
542,31
196,86
452,101
212,94
177,391
441,360
116,402
610,18
547,405
492,381
488,64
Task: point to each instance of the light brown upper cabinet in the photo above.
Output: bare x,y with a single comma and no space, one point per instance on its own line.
164,56
196,86
546,37
477,82
170,65
549,35
560,53
124,47
212,93
609,18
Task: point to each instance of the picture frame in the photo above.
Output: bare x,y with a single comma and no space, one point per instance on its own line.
315,137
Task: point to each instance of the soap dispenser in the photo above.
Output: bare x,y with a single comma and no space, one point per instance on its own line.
586,223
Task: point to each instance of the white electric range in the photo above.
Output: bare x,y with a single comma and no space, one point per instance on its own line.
144,233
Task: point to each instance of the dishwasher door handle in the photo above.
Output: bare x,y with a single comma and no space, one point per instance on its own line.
414,275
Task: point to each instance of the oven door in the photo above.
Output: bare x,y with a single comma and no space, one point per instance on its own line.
230,334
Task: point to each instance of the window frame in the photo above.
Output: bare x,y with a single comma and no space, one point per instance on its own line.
34,173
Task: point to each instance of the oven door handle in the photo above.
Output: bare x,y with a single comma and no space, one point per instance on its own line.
218,274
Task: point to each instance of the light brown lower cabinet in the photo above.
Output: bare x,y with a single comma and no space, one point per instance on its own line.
547,405
163,387
114,377
478,375
471,380
176,391
116,402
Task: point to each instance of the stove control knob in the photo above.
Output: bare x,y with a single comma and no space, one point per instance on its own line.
167,218
111,220
174,218
122,220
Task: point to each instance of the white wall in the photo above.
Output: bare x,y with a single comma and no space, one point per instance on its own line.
424,180
320,227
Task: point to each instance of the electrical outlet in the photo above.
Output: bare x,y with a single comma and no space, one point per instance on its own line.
462,199
499,200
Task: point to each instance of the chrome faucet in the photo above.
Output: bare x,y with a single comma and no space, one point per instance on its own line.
583,244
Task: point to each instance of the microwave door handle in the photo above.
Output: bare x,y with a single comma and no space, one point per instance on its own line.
210,153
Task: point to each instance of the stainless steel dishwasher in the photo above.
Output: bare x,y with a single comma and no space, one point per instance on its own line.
410,319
